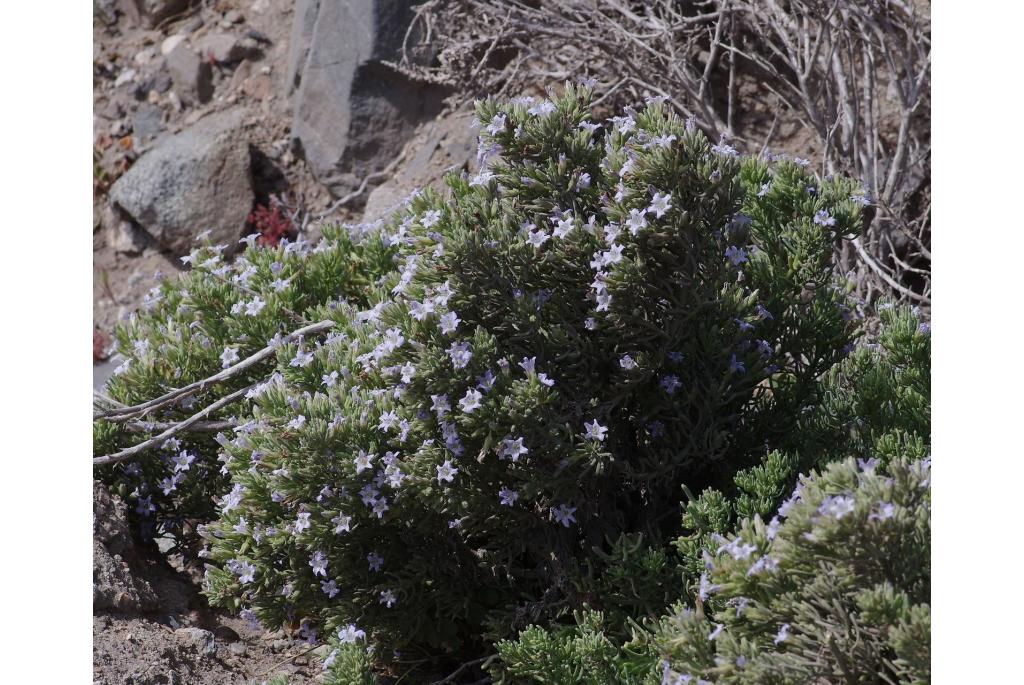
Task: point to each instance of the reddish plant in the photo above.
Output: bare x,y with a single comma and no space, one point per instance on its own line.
100,346
271,223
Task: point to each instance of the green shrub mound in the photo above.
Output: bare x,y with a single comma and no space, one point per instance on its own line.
189,328
835,588
598,317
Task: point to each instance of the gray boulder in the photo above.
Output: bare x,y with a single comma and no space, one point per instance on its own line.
446,144
197,180
114,586
352,114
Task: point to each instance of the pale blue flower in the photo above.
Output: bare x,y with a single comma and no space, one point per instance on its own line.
736,255
564,514
508,497
375,561
318,562
229,356
660,204
595,431
446,472
350,634
671,383
471,401
823,218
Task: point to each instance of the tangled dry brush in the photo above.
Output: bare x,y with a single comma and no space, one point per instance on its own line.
850,77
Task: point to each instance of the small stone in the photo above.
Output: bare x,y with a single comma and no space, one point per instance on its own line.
238,648
226,633
223,48
145,56
192,76
322,652
175,101
126,76
125,238
171,42
118,128
233,17
202,639
162,82
279,645
257,87
111,110
153,97
265,69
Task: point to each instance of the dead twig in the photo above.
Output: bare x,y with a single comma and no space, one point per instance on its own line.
130,452
126,413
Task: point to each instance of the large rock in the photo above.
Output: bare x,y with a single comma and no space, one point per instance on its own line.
114,585
352,114
197,180
446,144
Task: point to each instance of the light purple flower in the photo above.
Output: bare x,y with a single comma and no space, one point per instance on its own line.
595,431
508,497
823,218
318,562
660,204
375,560
350,634
301,358
460,354
471,401
229,356
449,322
446,472
671,383
564,514
736,255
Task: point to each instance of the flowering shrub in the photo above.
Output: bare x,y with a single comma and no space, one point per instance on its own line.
601,315
192,327
835,588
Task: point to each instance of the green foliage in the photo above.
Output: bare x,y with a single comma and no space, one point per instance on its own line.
178,337
878,402
581,654
349,664
637,281
835,592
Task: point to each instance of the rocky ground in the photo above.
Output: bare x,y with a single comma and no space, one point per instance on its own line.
151,626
